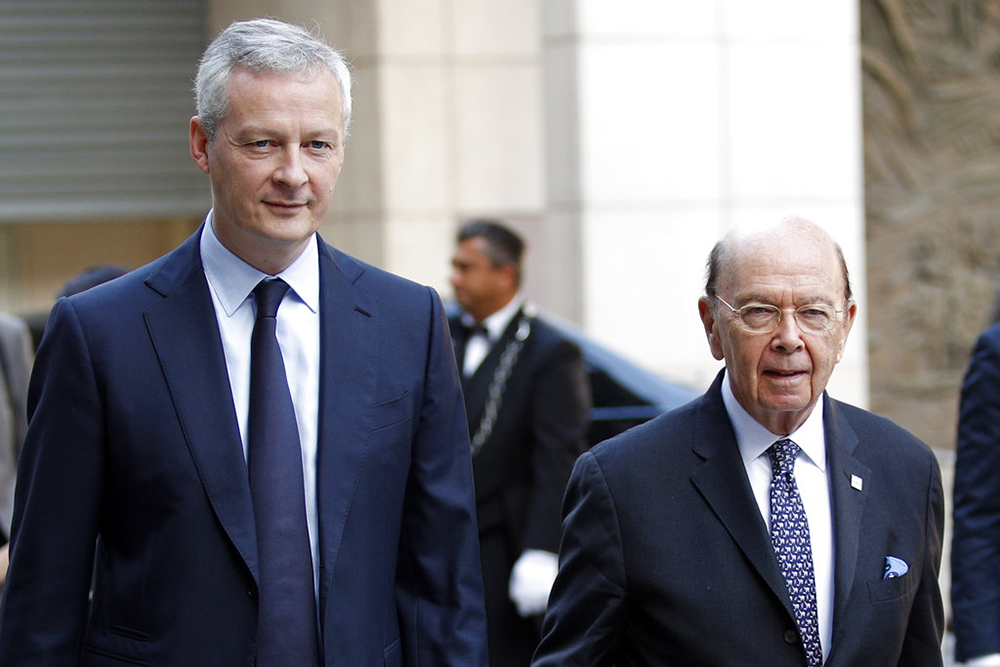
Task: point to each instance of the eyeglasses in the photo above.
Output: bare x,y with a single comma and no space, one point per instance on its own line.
765,318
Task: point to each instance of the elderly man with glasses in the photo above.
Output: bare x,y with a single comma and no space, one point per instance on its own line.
764,523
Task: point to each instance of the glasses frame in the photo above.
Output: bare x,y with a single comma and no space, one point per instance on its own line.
741,323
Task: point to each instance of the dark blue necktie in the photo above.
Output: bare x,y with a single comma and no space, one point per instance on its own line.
287,625
790,537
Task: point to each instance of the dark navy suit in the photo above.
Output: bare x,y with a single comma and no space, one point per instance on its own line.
133,440
975,550
666,560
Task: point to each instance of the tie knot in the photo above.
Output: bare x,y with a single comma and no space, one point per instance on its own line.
783,454
269,294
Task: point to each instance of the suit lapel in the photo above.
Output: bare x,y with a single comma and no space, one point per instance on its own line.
349,335
348,350
185,335
722,481
846,474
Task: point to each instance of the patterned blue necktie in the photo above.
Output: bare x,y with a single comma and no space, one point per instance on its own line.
286,633
790,537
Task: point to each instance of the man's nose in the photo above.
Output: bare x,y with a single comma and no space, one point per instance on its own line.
290,170
788,335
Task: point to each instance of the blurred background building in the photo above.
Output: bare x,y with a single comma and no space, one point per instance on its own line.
622,138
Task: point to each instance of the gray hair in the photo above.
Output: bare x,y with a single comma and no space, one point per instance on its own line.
260,45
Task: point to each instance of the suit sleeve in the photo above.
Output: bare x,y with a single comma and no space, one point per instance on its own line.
57,503
560,416
925,626
587,608
438,583
975,554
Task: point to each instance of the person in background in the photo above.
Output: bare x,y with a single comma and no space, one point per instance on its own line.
19,338
16,357
527,394
975,546
86,279
264,437
764,523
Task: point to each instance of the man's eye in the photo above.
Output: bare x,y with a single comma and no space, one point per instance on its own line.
260,143
817,314
318,145
758,316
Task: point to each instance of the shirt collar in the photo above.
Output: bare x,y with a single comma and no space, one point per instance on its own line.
753,439
232,279
497,322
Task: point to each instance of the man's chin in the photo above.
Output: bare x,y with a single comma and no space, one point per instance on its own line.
289,231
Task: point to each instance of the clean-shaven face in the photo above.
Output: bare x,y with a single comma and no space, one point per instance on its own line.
480,287
779,376
273,163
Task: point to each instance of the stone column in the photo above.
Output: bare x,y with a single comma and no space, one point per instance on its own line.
669,122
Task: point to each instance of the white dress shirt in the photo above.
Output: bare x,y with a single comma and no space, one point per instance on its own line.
813,485
478,345
231,282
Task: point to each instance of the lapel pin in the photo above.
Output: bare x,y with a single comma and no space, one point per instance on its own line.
857,483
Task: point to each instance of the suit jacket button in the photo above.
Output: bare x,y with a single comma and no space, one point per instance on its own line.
252,591
791,636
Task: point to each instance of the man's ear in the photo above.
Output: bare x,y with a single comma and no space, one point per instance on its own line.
510,275
707,313
852,312
199,144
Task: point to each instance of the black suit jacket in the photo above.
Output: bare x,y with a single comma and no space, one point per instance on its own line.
666,560
975,548
522,469
133,439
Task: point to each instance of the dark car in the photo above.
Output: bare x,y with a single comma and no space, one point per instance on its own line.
625,394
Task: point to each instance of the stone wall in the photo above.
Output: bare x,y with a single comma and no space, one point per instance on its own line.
931,91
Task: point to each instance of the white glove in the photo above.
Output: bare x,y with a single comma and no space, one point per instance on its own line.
531,580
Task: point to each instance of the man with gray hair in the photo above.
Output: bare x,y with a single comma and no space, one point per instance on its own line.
256,444
764,523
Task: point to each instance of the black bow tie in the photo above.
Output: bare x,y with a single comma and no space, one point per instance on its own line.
473,329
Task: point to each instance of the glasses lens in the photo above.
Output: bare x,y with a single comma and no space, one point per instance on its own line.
759,317
815,317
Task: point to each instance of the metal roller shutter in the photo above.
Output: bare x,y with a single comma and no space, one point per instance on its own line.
95,98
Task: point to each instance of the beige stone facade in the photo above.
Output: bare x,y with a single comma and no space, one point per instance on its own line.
622,138
932,131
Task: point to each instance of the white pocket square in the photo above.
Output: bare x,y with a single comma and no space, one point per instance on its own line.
895,567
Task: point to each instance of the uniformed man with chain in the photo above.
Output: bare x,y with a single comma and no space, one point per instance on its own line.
527,395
